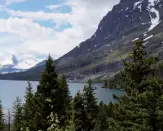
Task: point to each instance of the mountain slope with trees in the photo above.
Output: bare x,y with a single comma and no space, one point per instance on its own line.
140,109
51,108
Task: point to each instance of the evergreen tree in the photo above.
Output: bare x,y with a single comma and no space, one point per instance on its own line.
64,100
37,119
105,84
1,117
79,113
105,112
141,107
52,96
90,106
46,91
54,123
28,109
17,115
71,125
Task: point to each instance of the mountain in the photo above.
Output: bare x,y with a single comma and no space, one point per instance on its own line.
17,65
100,56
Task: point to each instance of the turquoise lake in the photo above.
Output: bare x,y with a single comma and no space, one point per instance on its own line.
9,90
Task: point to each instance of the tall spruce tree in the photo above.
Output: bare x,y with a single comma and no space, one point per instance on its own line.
64,101
28,109
105,112
79,113
52,96
90,106
17,115
141,107
46,91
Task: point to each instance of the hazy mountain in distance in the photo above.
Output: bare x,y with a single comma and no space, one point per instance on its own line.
17,65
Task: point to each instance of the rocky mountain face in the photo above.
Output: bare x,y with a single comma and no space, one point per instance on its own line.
127,17
17,65
101,55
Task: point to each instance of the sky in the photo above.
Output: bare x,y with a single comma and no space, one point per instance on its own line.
32,29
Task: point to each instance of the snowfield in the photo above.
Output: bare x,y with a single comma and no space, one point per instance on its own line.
154,20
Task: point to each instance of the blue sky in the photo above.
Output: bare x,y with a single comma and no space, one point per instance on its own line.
31,29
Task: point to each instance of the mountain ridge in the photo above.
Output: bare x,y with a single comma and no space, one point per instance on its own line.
17,65
101,55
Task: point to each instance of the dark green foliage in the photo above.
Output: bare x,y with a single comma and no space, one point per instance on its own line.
28,109
46,91
105,112
45,97
138,69
17,115
64,99
105,84
52,96
115,82
79,113
90,106
1,117
140,108
71,125
54,123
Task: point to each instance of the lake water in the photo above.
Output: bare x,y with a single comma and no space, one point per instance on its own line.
9,90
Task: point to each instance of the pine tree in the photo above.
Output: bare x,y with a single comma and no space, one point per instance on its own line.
90,106
64,101
17,115
37,119
46,91
105,112
79,113
141,106
105,84
71,125
1,117
52,96
28,109
54,123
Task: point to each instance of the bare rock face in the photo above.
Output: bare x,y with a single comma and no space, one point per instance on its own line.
125,18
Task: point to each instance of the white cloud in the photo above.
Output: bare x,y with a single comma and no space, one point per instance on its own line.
17,32
52,7
24,28
13,1
38,40
85,14
59,18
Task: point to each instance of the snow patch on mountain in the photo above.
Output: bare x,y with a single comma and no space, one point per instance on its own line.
26,64
154,20
138,4
135,39
18,65
126,8
140,8
149,37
